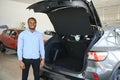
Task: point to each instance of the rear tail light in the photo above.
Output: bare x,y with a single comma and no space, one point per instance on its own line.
97,56
96,76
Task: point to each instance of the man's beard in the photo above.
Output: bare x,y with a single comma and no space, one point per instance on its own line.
32,28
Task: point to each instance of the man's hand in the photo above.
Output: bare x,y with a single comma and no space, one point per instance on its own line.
42,63
22,65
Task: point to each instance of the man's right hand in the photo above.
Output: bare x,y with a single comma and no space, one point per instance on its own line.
22,65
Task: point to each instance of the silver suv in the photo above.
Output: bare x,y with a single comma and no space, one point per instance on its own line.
104,57
78,28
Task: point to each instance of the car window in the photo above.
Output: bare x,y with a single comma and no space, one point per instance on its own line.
117,36
13,33
8,32
114,37
111,38
2,28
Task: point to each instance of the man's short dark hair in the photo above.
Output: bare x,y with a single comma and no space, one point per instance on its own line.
32,19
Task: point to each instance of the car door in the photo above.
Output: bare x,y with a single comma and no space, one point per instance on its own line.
5,38
13,39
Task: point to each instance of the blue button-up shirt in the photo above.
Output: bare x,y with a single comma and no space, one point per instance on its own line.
30,45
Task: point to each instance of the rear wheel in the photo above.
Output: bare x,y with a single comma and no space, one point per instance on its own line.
117,74
46,78
43,77
2,47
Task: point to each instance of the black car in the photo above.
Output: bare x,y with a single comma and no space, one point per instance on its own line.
78,28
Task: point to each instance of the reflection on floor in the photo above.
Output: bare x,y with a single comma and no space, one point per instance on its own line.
9,67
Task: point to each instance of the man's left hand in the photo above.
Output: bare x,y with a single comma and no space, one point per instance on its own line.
42,63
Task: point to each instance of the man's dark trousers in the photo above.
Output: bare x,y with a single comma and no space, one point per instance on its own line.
36,68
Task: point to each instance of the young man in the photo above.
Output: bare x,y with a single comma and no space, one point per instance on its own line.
31,50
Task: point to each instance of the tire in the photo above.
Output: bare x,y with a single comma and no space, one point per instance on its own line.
46,78
2,47
117,75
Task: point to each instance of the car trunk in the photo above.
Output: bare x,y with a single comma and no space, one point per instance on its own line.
75,34
66,54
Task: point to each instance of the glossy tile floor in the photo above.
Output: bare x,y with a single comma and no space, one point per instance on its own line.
9,67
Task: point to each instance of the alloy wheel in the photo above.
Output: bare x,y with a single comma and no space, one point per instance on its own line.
2,48
117,75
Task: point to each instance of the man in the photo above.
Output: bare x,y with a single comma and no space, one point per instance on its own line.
31,50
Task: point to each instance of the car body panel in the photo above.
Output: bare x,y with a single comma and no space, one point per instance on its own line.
10,40
104,69
48,6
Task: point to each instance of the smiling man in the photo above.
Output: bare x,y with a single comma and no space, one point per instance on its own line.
31,50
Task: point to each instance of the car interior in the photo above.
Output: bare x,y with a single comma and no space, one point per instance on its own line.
68,48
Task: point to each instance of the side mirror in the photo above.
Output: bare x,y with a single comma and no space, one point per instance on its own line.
49,33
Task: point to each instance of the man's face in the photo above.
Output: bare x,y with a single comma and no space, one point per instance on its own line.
32,24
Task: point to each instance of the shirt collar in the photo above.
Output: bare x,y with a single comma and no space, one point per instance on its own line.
30,31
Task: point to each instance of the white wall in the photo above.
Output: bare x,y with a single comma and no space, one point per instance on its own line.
13,13
110,14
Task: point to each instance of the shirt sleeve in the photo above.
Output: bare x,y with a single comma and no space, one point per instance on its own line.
42,50
20,47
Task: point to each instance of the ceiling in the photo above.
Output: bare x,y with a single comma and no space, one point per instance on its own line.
98,3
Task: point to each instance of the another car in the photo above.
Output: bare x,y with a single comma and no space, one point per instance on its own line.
78,28
3,27
9,38
48,34
104,57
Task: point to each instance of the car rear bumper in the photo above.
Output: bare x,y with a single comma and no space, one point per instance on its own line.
61,75
98,71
